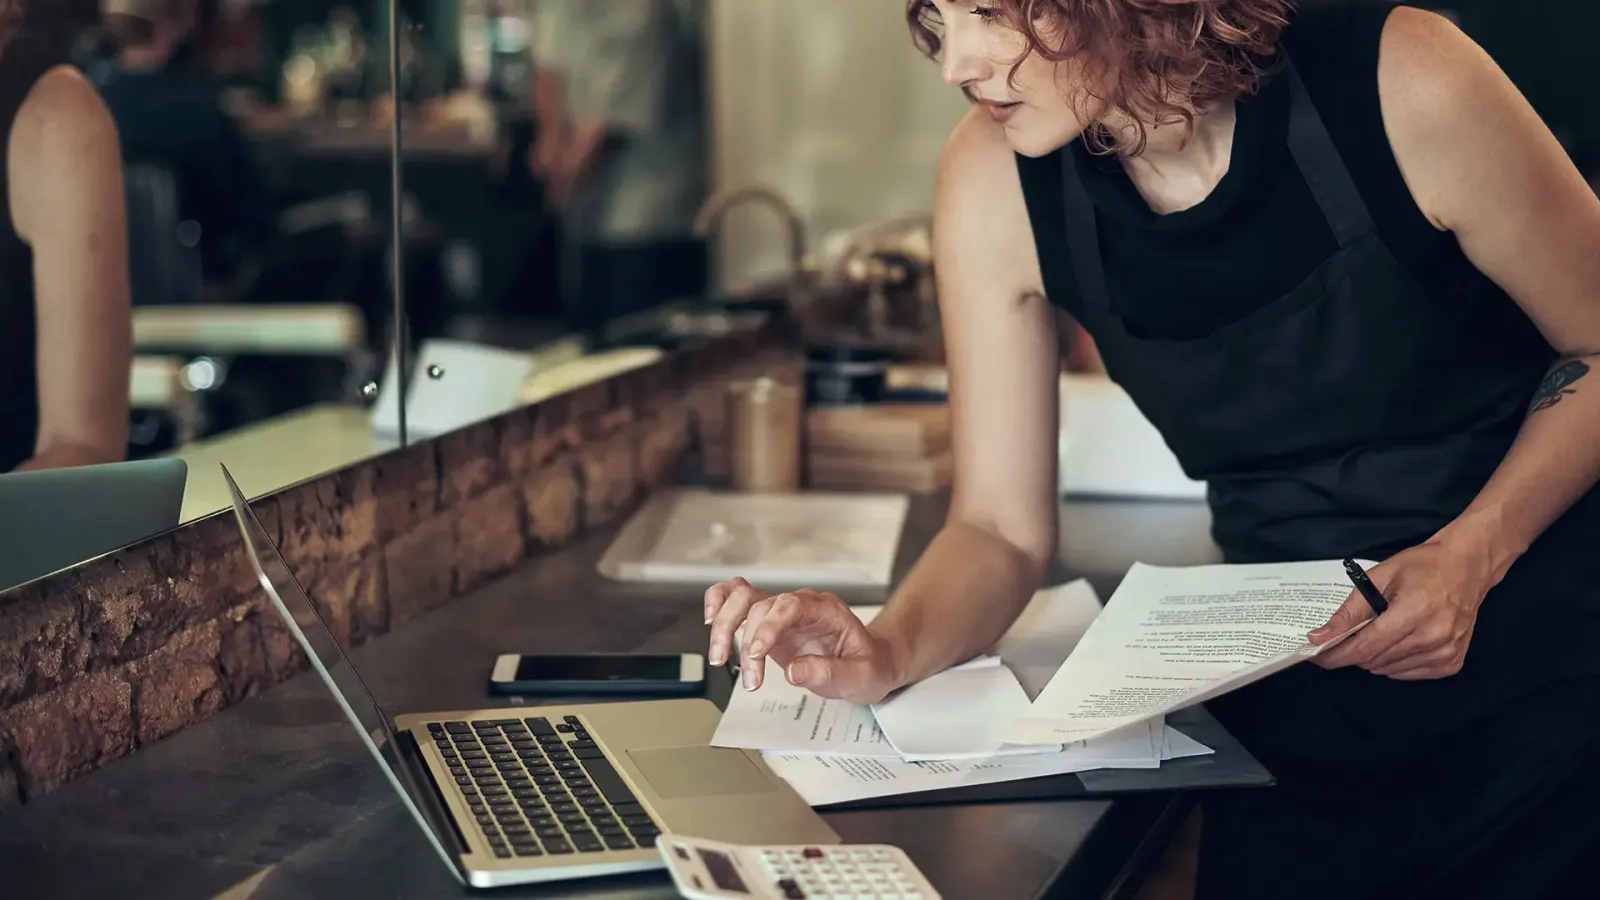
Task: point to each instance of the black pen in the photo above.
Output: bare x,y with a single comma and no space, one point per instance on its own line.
1364,584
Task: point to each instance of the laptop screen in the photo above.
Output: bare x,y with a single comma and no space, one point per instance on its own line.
328,659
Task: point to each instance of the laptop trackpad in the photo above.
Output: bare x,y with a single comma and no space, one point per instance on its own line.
679,772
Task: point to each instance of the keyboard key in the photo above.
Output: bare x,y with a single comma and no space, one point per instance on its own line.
592,803
463,780
573,721
611,830
485,820
607,780
539,726
504,723
513,830
572,818
444,745
645,840
549,831
628,809
617,842
557,848
587,843
581,735
458,728
481,727
637,822
502,852
527,849
565,727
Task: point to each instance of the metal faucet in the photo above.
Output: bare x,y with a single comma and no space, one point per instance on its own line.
709,220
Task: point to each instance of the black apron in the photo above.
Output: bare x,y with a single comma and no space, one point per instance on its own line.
1355,416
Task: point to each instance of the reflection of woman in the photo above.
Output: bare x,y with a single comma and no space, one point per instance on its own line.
65,323
1358,294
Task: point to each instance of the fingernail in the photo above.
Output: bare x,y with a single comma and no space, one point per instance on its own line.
750,679
797,674
756,647
708,618
718,657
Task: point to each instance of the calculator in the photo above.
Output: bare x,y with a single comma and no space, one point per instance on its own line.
707,870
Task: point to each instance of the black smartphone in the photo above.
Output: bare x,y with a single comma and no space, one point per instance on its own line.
675,674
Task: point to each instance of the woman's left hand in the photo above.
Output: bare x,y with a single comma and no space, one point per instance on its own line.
1434,592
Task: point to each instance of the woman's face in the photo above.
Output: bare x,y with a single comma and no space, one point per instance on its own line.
1036,107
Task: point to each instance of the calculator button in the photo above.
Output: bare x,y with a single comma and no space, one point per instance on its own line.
791,890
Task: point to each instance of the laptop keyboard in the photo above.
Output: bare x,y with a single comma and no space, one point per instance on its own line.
537,787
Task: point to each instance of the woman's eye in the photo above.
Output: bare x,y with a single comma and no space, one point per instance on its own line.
986,13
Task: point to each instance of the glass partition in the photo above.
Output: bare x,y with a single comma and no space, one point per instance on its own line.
257,150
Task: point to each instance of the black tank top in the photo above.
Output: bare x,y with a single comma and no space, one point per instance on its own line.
22,62
1183,275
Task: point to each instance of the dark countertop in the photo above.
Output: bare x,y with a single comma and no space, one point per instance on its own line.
276,798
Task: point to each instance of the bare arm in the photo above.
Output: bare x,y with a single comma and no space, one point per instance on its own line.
68,204
1482,165
1000,343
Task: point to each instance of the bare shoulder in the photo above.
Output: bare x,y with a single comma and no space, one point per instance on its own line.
1440,93
64,139
62,113
977,159
980,218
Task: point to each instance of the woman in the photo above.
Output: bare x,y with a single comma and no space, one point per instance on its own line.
1351,277
65,320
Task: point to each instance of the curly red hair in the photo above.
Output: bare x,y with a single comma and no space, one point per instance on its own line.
1155,61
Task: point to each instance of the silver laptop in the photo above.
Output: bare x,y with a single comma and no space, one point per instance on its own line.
525,794
57,518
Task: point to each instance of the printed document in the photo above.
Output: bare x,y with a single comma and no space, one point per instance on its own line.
1174,637
824,780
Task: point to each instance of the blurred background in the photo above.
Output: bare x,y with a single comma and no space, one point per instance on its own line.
554,157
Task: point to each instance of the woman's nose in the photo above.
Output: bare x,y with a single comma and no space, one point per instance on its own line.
964,64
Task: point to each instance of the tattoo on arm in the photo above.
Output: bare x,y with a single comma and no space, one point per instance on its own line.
1557,384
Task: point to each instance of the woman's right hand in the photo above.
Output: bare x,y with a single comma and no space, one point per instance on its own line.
812,636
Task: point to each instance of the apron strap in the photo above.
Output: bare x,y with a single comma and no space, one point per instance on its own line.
1314,153
1083,237
1321,166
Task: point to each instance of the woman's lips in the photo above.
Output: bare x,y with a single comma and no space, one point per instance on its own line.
1001,112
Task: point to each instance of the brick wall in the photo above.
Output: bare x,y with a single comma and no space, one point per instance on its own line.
125,650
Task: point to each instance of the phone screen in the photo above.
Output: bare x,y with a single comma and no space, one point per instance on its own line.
600,668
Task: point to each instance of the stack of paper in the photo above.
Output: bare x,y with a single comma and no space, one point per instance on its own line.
942,732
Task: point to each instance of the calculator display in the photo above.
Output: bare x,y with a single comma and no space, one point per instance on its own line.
723,873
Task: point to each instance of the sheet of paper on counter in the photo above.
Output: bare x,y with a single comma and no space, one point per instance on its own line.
824,780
